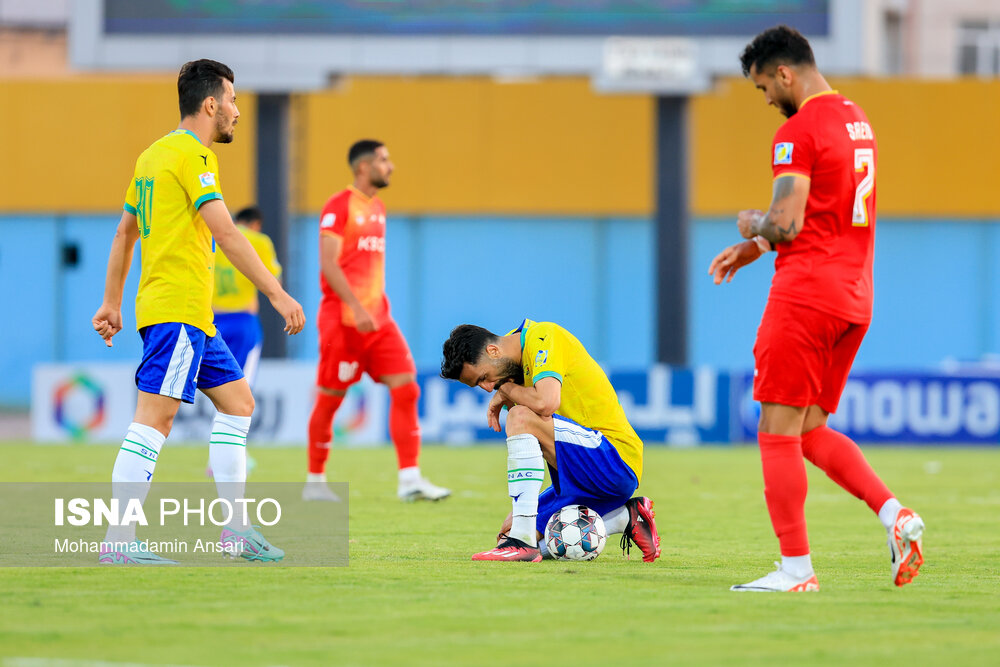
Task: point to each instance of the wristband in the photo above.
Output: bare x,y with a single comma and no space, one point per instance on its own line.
762,243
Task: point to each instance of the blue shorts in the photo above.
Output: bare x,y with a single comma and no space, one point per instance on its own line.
177,358
590,472
243,337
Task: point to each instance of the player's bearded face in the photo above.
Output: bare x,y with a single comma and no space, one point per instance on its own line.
510,371
224,126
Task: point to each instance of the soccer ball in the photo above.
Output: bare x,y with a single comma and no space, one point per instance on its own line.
575,533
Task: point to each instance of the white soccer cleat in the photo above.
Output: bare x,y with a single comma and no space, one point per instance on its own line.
906,546
779,581
317,490
421,489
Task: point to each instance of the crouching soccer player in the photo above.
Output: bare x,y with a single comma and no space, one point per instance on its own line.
564,412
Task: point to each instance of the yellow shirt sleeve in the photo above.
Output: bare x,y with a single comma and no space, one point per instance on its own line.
546,355
130,203
200,177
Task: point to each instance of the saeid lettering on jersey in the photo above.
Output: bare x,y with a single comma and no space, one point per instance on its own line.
859,130
783,152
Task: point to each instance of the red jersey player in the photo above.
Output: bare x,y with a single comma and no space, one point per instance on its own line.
822,223
356,332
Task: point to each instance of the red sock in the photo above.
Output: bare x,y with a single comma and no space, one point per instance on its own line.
404,427
841,459
785,486
321,430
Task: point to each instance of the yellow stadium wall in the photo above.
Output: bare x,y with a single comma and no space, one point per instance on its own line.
475,145
939,146
69,146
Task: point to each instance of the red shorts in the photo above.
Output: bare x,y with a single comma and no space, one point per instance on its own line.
345,353
803,356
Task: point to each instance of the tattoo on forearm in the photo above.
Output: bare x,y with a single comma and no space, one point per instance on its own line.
774,232
766,226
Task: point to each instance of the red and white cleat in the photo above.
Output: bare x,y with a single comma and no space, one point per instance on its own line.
511,549
779,581
906,546
641,529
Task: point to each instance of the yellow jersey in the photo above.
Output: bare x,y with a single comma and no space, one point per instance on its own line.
548,350
234,293
173,178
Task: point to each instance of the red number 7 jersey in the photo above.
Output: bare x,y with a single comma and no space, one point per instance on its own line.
828,266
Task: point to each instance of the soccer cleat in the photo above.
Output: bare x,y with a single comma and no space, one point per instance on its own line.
133,553
906,546
779,581
641,529
319,491
249,544
511,549
421,489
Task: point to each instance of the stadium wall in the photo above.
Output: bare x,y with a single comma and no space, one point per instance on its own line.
480,146
937,289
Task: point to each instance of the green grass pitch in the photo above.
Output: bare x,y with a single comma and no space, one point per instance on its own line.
411,596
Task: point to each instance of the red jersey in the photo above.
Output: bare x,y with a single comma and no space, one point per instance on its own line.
828,266
359,221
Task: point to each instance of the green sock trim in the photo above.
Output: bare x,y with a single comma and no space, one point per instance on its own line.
528,469
234,435
132,451
223,442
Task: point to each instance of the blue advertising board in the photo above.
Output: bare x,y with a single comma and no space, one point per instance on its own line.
904,407
678,405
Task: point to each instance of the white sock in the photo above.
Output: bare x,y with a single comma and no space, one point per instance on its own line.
409,476
799,567
615,521
227,452
525,475
316,477
133,473
887,515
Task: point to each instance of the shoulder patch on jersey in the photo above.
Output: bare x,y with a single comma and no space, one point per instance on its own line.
207,179
783,152
541,358
328,221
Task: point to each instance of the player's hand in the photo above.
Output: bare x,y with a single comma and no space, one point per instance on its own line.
745,221
497,401
364,321
729,261
289,309
107,322
505,527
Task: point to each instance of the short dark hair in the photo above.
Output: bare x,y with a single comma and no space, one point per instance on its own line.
199,79
780,45
362,148
466,345
248,214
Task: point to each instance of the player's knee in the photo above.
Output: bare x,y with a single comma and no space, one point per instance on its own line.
242,406
406,393
520,419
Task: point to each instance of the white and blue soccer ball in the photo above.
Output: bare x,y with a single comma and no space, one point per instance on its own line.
575,533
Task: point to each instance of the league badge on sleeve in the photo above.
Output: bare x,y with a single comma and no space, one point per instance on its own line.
207,179
783,152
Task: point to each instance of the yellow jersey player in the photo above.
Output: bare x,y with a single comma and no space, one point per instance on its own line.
174,208
235,301
563,411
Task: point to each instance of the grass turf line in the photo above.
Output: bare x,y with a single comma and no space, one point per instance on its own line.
412,597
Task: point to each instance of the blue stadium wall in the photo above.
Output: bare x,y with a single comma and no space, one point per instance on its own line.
937,289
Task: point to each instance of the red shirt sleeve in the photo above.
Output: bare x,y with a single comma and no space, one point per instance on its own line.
793,150
333,219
